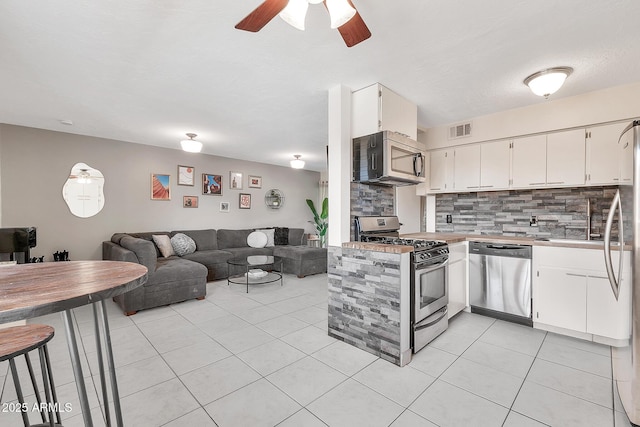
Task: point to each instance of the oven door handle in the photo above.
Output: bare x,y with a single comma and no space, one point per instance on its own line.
418,326
432,267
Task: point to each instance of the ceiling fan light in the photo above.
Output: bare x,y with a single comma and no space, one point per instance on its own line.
340,12
297,163
547,82
295,13
191,145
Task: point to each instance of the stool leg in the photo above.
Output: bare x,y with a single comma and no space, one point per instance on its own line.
103,381
16,383
112,369
47,391
77,368
35,386
53,387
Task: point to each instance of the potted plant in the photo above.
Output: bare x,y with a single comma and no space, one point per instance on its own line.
320,221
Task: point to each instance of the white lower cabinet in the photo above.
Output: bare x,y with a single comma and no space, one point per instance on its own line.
457,277
572,295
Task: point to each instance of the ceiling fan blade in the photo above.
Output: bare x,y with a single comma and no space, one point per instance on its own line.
354,30
262,15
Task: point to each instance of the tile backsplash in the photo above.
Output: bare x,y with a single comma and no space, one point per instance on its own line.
370,200
560,212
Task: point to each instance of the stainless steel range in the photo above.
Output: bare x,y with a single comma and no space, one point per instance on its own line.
428,278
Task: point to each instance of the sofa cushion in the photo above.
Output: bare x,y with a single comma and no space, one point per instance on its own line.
233,238
257,239
171,270
299,252
244,252
164,245
117,237
296,236
281,236
205,239
144,249
210,257
270,232
183,244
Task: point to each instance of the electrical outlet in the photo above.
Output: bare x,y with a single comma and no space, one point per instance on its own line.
533,221
449,219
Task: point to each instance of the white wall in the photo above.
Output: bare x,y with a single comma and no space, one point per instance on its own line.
613,104
408,210
35,163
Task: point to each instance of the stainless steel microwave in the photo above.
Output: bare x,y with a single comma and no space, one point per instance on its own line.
387,158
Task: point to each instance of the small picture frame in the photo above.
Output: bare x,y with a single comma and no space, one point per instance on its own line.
189,201
186,175
255,181
235,180
211,184
245,201
160,186
224,206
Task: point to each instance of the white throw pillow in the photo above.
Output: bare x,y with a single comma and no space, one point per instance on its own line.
183,244
270,232
163,242
257,239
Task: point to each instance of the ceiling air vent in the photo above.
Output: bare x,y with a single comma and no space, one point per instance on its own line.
460,131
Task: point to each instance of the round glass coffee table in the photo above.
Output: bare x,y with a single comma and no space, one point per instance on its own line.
254,273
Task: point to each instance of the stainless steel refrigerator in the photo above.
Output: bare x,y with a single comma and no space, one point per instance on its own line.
625,212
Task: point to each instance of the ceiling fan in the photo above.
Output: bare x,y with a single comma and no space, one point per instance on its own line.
343,13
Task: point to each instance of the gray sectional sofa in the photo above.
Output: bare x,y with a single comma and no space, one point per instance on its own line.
176,279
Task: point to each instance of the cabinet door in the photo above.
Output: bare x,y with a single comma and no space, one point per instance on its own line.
466,166
603,162
495,164
365,106
398,114
560,299
566,158
626,157
529,157
606,316
457,279
441,170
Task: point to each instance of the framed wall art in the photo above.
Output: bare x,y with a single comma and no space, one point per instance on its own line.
255,181
186,175
235,180
224,206
189,201
160,186
212,184
245,201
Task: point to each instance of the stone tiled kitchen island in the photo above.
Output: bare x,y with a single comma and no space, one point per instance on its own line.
369,298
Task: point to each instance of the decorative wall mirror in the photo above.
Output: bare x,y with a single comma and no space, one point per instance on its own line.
84,190
274,199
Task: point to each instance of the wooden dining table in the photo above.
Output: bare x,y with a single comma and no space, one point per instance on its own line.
32,290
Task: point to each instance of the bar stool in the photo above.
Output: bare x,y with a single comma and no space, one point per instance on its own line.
20,340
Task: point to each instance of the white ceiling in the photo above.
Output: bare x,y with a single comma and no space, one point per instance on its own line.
148,71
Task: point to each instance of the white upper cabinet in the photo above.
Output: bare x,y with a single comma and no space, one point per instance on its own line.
625,150
566,158
495,165
376,108
466,168
441,171
603,159
529,161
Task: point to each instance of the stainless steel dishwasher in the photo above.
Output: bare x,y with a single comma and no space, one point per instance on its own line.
500,281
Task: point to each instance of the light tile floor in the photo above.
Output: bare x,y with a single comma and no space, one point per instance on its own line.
265,359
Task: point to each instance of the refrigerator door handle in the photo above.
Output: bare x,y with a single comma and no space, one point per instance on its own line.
615,205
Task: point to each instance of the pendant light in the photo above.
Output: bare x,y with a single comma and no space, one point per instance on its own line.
191,145
340,12
295,13
547,82
297,163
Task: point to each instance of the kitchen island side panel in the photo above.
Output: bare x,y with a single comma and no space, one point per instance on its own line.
364,300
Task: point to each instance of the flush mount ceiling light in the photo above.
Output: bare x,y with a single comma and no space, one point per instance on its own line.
84,177
547,82
191,145
297,163
343,14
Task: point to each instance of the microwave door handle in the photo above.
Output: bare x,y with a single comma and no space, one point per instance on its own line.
374,163
418,171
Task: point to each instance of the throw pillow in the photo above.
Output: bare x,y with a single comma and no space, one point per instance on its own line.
163,242
183,244
281,236
257,239
270,232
